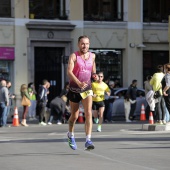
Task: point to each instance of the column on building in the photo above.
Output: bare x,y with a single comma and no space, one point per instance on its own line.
132,55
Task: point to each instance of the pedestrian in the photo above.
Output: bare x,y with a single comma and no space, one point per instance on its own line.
99,88
109,103
127,106
132,93
32,94
166,90
80,67
24,94
4,102
147,85
156,83
42,101
57,107
11,97
147,88
48,92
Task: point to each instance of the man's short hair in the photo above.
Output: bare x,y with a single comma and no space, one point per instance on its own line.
83,36
44,82
134,81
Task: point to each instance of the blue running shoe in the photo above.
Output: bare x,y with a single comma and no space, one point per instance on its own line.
89,145
72,143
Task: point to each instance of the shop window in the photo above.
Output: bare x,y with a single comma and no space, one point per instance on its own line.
110,63
151,59
156,10
5,8
103,10
48,9
5,70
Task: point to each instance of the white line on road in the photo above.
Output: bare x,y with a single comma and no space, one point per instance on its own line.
108,158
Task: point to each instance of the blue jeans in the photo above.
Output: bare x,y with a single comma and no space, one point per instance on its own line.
109,111
32,108
166,115
3,114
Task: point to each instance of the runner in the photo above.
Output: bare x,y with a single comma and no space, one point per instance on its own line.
99,89
80,67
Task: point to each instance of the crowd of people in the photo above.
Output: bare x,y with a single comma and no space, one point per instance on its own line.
34,103
96,96
157,91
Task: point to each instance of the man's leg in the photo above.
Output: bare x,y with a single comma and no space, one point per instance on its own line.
87,104
4,112
71,122
132,110
101,111
74,115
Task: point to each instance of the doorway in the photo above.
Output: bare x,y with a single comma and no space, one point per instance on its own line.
48,65
151,59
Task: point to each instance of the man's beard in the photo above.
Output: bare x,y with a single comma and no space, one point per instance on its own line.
83,52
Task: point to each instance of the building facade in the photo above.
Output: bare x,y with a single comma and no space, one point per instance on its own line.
129,38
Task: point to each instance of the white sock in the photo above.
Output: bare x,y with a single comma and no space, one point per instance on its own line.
71,134
88,137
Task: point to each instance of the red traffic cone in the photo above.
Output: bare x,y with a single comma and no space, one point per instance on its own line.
80,118
142,115
151,121
15,118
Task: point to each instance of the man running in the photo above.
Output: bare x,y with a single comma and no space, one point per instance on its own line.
80,67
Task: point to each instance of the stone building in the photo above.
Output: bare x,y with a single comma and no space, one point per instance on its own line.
129,37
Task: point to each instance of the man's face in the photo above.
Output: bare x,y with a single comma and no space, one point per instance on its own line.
84,45
135,84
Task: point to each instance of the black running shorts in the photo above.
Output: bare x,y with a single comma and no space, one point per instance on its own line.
74,97
97,105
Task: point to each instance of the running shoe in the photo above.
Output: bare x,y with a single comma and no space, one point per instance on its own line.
159,122
96,120
72,142
59,123
99,128
164,122
89,145
42,123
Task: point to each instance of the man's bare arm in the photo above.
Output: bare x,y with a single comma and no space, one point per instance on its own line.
94,64
71,63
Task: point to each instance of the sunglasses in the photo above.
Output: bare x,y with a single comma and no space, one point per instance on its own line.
100,76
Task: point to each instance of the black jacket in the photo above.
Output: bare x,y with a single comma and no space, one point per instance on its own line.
132,92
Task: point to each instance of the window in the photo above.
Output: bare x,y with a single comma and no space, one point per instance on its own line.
103,10
110,63
48,9
151,59
156,10
5,8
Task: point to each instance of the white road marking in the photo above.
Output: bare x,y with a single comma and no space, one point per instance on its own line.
136,132
108,158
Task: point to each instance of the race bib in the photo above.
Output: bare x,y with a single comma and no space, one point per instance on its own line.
86,94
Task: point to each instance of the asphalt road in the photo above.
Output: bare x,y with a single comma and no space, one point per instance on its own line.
120,146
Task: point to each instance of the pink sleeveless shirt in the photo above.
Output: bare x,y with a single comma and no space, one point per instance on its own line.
82,70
